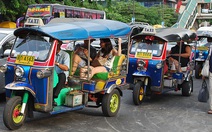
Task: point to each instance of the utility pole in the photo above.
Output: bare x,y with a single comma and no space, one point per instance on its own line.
163,23
133,16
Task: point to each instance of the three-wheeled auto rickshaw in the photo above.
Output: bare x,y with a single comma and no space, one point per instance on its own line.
201,50
31,77
149,71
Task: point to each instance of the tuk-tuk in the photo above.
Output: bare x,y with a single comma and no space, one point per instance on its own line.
31,77
149,71
201,50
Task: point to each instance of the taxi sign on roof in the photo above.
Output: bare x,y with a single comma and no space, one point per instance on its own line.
34,21
149,30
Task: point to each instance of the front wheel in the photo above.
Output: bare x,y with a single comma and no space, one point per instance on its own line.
198,69
187,87
12,117
138,93
111,103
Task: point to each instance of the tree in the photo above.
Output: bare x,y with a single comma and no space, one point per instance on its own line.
12,9
115,10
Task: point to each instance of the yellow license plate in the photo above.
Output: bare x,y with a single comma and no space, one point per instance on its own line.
202,48
143,55
25,60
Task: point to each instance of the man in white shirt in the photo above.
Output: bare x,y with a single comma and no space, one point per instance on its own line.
62,65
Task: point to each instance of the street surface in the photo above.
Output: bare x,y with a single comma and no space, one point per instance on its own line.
169,112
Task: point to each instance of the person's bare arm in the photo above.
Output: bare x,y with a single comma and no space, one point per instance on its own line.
184,55
62,66
86,54
115,52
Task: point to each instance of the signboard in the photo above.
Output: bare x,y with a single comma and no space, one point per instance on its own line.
62,14
38,10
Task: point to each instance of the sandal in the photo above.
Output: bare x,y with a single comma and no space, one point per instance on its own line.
210,112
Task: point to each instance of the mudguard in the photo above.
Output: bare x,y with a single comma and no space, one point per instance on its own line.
110,89
21,86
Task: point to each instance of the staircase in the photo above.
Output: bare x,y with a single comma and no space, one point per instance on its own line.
188,17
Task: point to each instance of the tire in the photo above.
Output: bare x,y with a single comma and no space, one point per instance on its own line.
14,105
138,93
111,103
198,69
187,87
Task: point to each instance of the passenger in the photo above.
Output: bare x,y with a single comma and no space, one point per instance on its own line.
107,51
175,54
62,63
80,57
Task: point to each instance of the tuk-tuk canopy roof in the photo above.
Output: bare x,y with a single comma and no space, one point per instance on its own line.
204,32
176,34
79,30
172,34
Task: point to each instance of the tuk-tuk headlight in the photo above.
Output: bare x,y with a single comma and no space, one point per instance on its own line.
3,68
159,65
43,74
141,65
200,53
19,72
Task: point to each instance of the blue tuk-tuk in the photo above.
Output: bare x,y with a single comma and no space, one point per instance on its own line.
149,71
30,74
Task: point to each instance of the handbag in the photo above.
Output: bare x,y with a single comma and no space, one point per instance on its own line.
205,69
99,62
203,95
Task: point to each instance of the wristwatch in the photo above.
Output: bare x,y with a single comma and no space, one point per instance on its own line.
57,64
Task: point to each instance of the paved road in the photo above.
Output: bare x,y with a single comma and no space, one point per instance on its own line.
169,112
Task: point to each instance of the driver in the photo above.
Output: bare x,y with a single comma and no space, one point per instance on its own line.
175,54
62,63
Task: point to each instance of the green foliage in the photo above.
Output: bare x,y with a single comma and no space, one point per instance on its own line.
115,10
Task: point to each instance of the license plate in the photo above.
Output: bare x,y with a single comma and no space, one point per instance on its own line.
25,60
143,55
202,48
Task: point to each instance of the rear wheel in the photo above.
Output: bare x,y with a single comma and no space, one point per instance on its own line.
111,103
187,87
198,69
12,117
138,93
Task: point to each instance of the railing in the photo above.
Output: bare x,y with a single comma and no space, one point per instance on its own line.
192,19
188,15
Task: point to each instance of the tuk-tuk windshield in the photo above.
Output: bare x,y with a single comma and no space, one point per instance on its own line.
2,35
154,47
32,45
